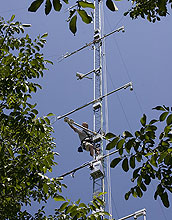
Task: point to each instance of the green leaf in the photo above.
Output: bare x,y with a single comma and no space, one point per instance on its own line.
57,5
125,166
50,114
149,154
12,17
120,144
127,134
147,179
134,193
127,195
85,17
35,111
143,187
169,150
153,121
115,162
47,120
96,205
48,61
44,35
121,150
111,5
139,192
149,17
164,198
45,188
165,143
59,198
163,116
63,206
169,119
109,136
48,7
132,162
112,144
151,128
135,173
143,120
82,205
159,108
68,209
129,145
167,129
100,201
86,4
126,13
139,157
137,133
78,201
35,5
72,24
139,180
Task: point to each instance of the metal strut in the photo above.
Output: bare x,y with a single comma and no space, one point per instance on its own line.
88,163
81,75
89,44
96,100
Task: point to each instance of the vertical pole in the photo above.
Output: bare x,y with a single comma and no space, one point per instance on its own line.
98,184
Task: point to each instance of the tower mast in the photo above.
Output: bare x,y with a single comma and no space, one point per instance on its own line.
98,183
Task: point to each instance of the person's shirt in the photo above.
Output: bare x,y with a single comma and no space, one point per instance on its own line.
82,134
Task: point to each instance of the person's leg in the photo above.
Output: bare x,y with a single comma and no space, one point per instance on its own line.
91,150
89,147
97,150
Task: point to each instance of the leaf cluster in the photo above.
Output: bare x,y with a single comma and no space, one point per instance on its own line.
79,9
148,153
79,210
26,145
152,10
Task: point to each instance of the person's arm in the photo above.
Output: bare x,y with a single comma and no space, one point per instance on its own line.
73,127
70,124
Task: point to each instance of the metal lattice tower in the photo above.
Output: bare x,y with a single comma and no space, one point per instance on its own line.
97,165
98,183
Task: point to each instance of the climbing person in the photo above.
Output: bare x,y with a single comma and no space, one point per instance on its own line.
85,138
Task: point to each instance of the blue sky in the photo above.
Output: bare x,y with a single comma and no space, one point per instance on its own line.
142,55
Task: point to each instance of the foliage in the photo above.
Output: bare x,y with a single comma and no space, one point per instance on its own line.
26,145
153,10
148,153
79,210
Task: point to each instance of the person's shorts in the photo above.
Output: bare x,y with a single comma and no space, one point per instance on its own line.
86,145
